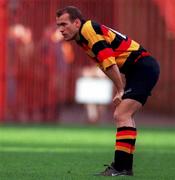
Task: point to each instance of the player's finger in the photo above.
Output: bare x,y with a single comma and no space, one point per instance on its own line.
117,101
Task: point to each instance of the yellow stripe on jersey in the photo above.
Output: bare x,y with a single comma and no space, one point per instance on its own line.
134,46
111,36
120,60
90,35
107,62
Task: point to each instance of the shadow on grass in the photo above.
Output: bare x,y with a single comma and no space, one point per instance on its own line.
82,153
52,165
79,165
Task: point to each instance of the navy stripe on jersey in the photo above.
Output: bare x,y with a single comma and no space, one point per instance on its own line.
99,46
97,28
117,41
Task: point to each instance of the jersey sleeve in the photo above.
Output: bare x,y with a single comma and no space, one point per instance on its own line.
99,46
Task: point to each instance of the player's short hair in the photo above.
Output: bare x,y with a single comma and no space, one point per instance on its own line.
73,12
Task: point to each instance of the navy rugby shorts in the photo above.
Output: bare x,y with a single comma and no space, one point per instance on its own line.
141,77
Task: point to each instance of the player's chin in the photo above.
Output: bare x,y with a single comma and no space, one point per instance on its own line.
66,38
70,37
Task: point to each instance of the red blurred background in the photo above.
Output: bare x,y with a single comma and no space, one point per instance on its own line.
38,71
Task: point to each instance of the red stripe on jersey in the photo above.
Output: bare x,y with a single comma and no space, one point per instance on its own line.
123,47
105,53
104,30
124,133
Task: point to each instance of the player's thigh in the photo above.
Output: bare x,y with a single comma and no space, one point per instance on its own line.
141,79
127,108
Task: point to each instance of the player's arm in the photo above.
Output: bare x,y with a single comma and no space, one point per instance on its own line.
105,56
106,59
113,73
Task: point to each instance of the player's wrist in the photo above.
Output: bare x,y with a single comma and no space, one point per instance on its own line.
121,92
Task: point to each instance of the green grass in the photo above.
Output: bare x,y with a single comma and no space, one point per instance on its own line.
76,153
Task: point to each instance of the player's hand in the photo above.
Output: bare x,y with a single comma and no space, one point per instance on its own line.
118,98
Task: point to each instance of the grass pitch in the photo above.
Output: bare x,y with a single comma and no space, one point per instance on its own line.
76,153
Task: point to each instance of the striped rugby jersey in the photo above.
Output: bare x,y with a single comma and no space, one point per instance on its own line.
108,47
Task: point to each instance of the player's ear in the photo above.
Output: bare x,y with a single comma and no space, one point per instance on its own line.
77,23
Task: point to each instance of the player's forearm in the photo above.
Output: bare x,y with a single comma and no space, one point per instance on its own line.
113,73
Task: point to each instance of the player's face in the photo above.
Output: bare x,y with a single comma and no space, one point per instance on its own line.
68,28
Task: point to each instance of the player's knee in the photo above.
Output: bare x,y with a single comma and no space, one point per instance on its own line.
120,117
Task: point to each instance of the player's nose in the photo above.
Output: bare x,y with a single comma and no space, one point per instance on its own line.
61,29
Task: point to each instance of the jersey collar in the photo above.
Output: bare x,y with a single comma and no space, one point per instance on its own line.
79,33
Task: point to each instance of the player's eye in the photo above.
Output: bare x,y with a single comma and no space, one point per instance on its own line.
61,24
